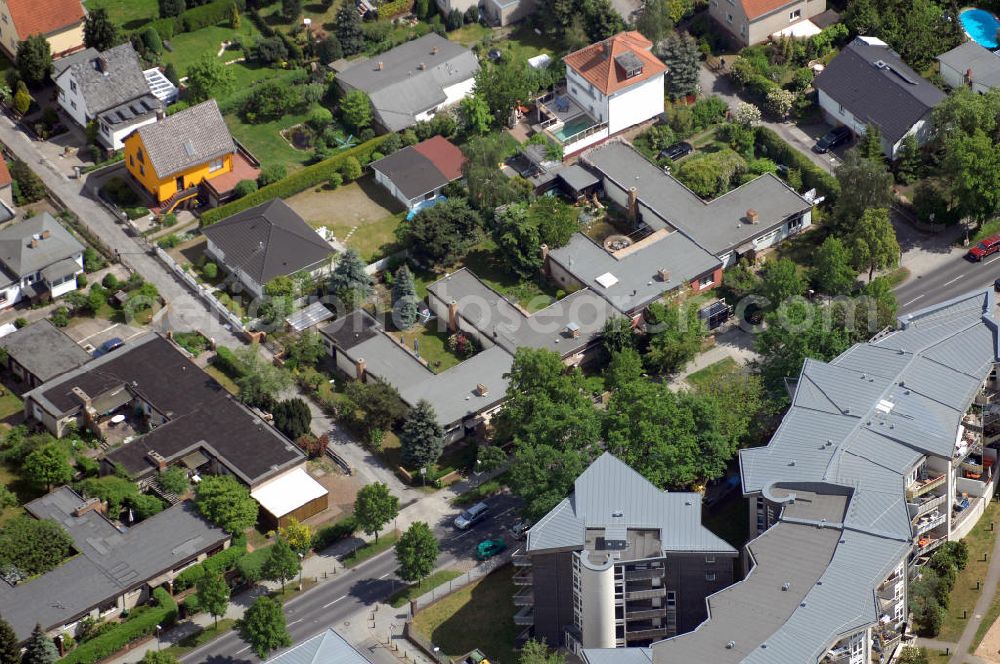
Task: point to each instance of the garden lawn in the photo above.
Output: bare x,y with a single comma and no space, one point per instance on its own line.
372,241
964,595
223,379
128,14
265,142
430,583
481,615
523,42
198,639
385,542
189,47
25,492
705,377
10,404
487,264
470,35
432,346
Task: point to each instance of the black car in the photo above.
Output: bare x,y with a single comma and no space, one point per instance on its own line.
832,139
676,151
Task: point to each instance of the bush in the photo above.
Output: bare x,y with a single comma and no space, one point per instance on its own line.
303,179
60,317
140,624
227,363
151,40
120,193
244,188
207,15
271,174
20,322
168,220
210,270
221,562
165,27
269,50
251,565
270,101
771,145
110,281
81,280
324,537
136,212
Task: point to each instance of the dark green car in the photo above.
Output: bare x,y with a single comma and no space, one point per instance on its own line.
489,548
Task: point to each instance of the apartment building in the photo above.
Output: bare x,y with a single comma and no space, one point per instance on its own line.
618,563
886,452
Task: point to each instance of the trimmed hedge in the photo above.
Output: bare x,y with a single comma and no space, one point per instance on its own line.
207,15
142,624
165,27
775,148
324,537
310,176
226,362
220,562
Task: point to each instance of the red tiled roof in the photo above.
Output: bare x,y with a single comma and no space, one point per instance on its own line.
596,63
5,178
757,8
445,156
32,17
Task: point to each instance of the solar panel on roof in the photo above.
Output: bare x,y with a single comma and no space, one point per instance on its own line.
189,148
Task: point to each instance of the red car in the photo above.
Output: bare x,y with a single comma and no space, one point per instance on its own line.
990,245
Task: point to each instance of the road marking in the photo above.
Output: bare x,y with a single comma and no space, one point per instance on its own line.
995,258
384,575
334,601
243,650
912,301
91,336
953,280
294,621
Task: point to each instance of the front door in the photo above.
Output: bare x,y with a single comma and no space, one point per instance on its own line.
180,184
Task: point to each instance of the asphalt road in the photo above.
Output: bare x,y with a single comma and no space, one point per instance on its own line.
347,595
957,277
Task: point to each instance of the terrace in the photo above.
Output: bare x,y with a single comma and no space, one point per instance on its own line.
566,122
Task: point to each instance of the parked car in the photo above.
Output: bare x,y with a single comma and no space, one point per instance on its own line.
996,285
990,245
520,528
676,151
832,139
108,346
472,516
489,548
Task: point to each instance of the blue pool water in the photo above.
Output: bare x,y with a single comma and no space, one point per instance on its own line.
573,127
981,25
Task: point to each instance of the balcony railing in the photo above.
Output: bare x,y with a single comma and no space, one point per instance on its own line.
526,616
650,633
929,505
524,598
641,574
521,560
645,594
927,544
930,522
646,614
525,578
920,487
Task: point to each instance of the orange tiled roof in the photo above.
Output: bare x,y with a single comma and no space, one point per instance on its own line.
596,63
5,178
757,8
32,17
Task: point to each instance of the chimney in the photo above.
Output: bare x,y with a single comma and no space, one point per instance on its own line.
752,216
82,396
574,330
968,76
380,66
45,234
158,459
545,254
359,368
434,51
160,114
632,207
482,390
89,505
422,66
33,244
664,274
453,316
102,64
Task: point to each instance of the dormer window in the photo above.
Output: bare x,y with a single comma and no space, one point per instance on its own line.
630,64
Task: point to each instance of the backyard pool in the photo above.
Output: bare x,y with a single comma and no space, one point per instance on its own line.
573,127
981,26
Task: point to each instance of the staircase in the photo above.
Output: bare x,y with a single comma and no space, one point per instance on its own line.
175,200
158,489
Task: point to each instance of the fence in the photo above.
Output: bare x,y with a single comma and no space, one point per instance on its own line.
383,263
202,292
473,575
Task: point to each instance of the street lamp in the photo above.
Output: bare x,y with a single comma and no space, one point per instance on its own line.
300,571
159,628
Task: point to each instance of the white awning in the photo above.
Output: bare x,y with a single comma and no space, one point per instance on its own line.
288,492
800,30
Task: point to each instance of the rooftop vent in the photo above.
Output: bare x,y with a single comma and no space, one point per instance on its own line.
730,645
785,586
101,64
880,64
422,66
617,514
189,148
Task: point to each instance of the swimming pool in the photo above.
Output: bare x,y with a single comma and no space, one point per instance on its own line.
981,25
573,127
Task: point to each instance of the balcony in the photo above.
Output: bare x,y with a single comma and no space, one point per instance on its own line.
973,422
922,486
644,574
645,594
526,616
649,633
645,614
928,504
524,598
521,560
929,522
524,578
972,467
926,544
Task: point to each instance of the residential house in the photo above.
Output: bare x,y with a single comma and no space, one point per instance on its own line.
186,155
327,647
868,83
267,241
417,173
110,89
59,21
413,81
39,259
749,22
6,191
115,569
165,411
970,65
610,86
619,563
886,452
39,352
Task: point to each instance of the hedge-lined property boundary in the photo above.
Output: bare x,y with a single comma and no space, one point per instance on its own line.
143,624
310,176
220,562
195,18
777,149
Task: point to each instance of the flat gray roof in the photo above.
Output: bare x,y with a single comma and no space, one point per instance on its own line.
984,64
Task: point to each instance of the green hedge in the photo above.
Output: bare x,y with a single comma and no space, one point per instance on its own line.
165,27
324,537
140,625
220,562
310,176
771,145
226,362
207,15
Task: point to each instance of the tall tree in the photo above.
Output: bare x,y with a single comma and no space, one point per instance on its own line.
170,8
417,552
39,649
780,281
404,299
864,184
175,480
34,59
601,20
679,51
618,334
349,281
99,31
475,114
10,653
441,234
213,594
422,439
870,143
298,535
47,466
374,507
349,33
832,272
488,187
281,564
972,163
356,110
502,85
625,366
653,20
259,381
208,78
225,502
329,49
33,546
292,417
290,10
874,242
263,627
676,335
908,161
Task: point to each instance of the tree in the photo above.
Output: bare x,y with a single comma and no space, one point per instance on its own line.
490,458
111,489
349,33
10,653
39,649
870,143
780,281
404,299
679,51
158,657
268,51
329,49
536,652
263,626
270,174
832,272
908,162
33,546
416,551
601,19
22,101
47,466
441,234
144,505
374,507
213,594
281,564
422,438
208,78
746,114
912,655
7,497
349,281
653,20
375,406
259,380
502,85
676,335
305,351
170,8
779,102
625,366
488,187
356,110
170,71
973,165
270,100
234,17
290,10
864,184
475,114
298,535
34,59
542,475
225,502
874,242
151,40
98,30
244,188
292,417
618,334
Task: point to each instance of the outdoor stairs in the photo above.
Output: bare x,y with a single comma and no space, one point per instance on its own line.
175,200
158,489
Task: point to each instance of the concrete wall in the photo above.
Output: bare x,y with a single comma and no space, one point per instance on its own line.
635,104
553,592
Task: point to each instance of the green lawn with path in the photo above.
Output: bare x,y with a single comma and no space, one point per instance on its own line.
372,241
713,372
189,47
265,142
964,595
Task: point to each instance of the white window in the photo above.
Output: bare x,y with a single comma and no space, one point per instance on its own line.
795,223
706,281
215,166
710,559
105,128
795,15
671,598
73,104
710,576
72,86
